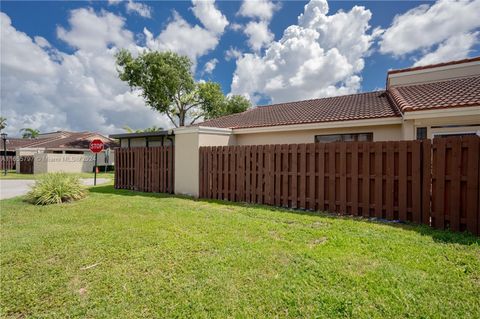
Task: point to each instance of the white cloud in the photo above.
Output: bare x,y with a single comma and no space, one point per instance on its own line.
321,56
262,9
427,28
236,26
258,34
181,37
210,66
42,42
209,15
455,48
232,53
139,8
94,32
21,54
78,91
257,31
190,40
81,90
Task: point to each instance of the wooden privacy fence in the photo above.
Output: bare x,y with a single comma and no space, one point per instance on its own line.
455,202
146,169
8,162
388,180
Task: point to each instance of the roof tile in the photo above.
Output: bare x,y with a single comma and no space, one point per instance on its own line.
444,94
341,108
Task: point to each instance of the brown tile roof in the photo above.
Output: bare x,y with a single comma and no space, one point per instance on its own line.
14,143
434,95
434,65
341,108
67,140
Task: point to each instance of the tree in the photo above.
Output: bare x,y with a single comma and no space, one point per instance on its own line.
29,132
166,83
236,104
3,122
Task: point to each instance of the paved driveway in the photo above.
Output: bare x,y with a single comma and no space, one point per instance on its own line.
16,187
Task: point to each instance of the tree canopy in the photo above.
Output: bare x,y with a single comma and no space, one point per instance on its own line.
167,85
29,132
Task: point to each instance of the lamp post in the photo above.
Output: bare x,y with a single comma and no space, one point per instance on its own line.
4,139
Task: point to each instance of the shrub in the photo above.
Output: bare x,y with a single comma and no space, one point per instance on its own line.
56,188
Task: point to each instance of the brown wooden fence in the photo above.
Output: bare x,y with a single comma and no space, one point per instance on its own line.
455,184
9,162
388,180
145,169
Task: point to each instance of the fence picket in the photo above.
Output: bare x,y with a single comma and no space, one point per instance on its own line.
472,196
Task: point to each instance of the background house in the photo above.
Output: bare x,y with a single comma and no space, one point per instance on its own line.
60,151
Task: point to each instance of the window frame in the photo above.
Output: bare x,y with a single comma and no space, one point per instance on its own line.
356,136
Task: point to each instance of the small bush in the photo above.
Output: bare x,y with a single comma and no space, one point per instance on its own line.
56,188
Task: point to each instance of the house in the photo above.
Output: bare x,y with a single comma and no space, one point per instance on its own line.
417,103
60,151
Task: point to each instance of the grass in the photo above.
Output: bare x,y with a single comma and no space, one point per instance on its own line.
125,254
14,175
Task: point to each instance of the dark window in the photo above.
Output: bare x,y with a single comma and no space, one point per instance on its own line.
421,133
355,137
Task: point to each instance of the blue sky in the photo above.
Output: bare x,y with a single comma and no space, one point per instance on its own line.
339,47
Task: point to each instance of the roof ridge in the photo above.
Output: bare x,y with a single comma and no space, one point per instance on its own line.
322,98
399,100
43,141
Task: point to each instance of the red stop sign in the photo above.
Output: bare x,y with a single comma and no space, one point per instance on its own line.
96,146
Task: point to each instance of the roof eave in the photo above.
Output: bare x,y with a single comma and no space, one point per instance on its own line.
473,110
142,134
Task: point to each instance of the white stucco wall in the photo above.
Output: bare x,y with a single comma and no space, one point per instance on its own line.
434,74
380,133
187,143
68,163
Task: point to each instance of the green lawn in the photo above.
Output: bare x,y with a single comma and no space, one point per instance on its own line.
122,254
14,175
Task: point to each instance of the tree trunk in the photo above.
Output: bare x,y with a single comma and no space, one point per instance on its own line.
181,118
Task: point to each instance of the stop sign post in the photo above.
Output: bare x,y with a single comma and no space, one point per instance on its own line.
96,146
